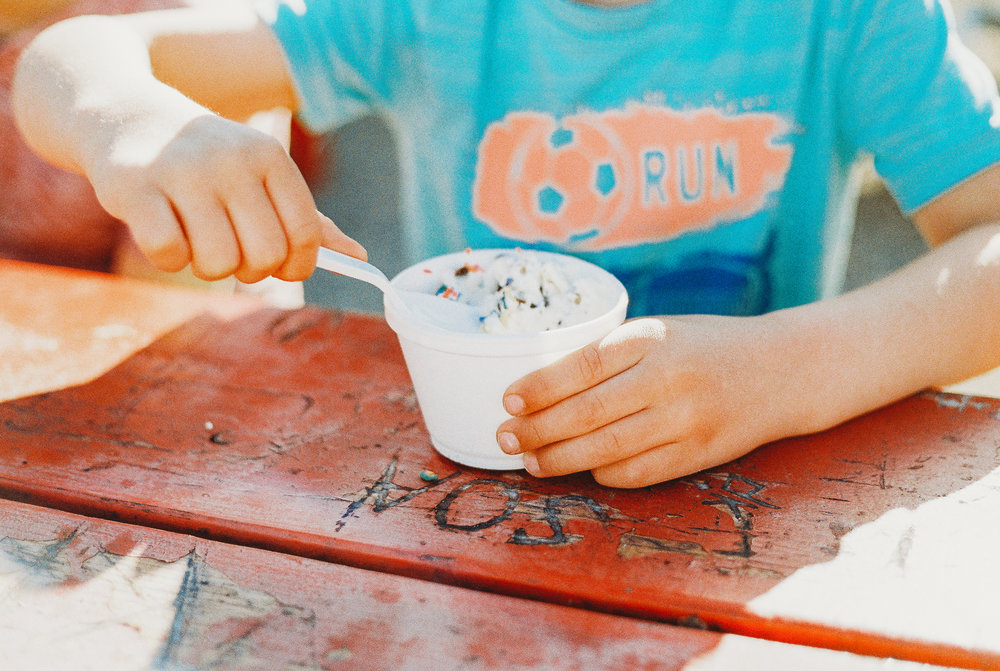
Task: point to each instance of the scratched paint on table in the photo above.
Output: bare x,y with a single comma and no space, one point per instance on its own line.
299,432
499,502
172,612
259,416
118,597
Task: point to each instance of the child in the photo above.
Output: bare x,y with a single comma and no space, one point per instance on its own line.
701,151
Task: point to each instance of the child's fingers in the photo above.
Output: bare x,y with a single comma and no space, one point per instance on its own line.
306,228
158,233
575,372
609,444
230,202
262,241
662,463
296,211
579,414
336,239
215,253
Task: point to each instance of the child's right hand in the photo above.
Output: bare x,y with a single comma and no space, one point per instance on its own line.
214,193
125,100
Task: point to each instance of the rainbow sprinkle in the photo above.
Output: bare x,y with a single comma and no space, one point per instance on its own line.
444,291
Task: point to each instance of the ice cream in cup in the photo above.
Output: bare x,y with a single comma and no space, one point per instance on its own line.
534,307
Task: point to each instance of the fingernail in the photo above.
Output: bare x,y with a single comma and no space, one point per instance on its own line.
531,463
508,442
513,404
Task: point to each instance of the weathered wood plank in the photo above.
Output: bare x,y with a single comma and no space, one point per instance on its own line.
83,593
297,431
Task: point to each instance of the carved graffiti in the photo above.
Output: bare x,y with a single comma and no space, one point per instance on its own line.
477,504
738,498
378,494
511,494
553,512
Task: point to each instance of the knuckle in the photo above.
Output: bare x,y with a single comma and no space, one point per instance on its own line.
250,276
529,434
216,269
595,408
297,266
293,272
535,435
553,462
611,445
267,260
166,250
304,234
114,201
262,149
261,264
693,422
296,269
590,363
621,476
543,390
125,197
170,257
603,477
174,174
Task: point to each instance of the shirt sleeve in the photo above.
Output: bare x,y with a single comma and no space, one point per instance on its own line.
916,98
336,52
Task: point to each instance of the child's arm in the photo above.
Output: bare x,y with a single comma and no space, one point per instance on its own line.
103,96
662,398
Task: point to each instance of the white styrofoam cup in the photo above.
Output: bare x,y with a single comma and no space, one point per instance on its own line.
459,377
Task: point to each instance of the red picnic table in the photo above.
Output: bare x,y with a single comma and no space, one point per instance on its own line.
195,480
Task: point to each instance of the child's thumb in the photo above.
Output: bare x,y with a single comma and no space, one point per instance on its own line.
335,239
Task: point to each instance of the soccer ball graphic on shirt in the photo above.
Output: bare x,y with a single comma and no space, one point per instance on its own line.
553,182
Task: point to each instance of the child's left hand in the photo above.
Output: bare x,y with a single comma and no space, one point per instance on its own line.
657,399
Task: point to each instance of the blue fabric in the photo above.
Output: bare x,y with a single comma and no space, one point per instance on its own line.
701,151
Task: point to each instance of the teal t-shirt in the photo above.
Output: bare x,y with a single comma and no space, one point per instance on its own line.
700,151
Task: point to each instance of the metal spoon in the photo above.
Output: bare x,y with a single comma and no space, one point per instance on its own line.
442,312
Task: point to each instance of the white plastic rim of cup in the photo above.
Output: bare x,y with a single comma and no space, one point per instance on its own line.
459,378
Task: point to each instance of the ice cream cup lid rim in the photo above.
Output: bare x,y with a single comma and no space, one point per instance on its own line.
506,344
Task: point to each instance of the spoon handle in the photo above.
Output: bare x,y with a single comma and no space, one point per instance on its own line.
342,264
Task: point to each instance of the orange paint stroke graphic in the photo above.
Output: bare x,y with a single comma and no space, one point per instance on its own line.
620,178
